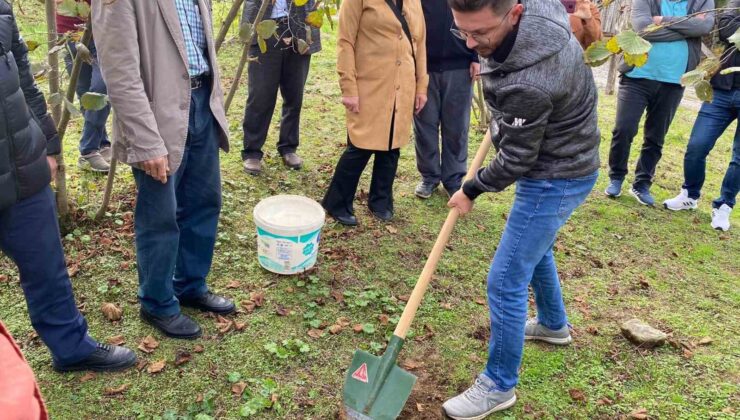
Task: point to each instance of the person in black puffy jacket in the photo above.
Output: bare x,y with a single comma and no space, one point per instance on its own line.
29,231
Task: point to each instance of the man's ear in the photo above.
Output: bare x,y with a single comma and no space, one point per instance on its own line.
516,13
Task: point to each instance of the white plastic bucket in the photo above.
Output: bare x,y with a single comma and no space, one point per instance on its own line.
288,233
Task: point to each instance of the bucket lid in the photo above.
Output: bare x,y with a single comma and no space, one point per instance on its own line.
289,212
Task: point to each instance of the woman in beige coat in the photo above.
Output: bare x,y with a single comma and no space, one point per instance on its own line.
383,77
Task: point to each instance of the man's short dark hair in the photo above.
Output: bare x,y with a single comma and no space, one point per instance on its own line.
499,7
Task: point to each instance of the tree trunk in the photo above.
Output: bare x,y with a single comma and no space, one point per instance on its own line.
611,78
245,55
62,199
228,22
108,190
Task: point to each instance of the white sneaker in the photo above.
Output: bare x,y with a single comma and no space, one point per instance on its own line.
721,218
681,202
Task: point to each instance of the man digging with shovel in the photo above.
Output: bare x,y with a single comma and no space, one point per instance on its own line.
543,99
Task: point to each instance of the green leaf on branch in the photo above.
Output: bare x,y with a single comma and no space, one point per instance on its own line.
704,91
83,10
710,66
636,60
32,45
70,107
55,99
735,38
92,101
596,54
67,8
632,44
245,31
266,29
652,28
730,70
262,44
300,3
315,18
613,46
693,77
303,46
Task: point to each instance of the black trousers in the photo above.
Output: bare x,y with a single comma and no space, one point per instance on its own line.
661,101
281,67
341,194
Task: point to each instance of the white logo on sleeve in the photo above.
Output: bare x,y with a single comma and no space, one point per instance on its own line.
519,122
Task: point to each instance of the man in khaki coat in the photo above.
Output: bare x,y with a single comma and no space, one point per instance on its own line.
158,61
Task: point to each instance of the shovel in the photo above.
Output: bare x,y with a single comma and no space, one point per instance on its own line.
375,387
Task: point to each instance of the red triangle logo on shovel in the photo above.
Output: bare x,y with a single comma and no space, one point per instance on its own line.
361,373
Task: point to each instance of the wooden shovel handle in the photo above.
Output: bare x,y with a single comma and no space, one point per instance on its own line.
444,235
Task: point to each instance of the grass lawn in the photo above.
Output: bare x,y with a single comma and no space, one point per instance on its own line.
617,260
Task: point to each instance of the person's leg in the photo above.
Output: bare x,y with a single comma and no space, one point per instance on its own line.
44,279
456,103
731,181
540,209
94,135
385,166
712,121
292,84
426,132
631,103
660,112
198,197
157,240
341,193
262,88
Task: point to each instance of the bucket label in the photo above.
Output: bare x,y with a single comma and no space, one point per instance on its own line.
287,254
361,373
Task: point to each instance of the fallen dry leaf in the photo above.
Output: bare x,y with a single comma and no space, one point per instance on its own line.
156,367
112,312
239,326
383,318
592,330
116,340
282,310
258,298
314,333
116,391
198,348
604,401
338,296
182,357
577,395
706,340
224,325
688,353
335,329
238,388
357,328
248,306
234,285
410,364
391,229
404,298
88,377
447,306
639,414
199,398
343,321
148,344
480,301
419,407
141,364
3,278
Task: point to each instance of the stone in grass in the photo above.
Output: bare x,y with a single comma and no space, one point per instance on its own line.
643,334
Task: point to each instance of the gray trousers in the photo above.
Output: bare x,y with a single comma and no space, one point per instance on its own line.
448,110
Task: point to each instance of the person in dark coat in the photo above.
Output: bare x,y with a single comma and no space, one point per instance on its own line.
29,231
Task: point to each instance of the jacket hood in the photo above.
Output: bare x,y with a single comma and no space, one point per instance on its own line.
544,30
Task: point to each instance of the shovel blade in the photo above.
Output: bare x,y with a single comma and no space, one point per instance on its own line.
362,376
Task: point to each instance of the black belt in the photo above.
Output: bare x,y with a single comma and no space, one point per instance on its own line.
198,82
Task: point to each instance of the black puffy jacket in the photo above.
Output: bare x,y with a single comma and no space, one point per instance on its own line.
27,132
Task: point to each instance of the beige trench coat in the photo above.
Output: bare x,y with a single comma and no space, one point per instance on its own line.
142,55
376,63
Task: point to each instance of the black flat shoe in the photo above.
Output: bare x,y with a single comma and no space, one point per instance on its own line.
385,215
210,303
105,358
346,220
175,326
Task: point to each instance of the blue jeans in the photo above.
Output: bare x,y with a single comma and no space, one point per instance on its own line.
29,235
175,223
713,120
94,135
525,257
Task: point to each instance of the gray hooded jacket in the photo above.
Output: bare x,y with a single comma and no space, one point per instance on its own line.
543,98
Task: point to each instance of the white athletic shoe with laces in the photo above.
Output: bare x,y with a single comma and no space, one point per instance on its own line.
721,218
681,202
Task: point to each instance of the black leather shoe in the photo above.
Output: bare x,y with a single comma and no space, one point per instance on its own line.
210,303
385,215
105,358
346,220
174,326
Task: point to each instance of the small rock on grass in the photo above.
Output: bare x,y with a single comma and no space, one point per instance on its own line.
643,334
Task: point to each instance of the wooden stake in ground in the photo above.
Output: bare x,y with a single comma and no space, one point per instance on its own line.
108,189
53,59
245,55
227,23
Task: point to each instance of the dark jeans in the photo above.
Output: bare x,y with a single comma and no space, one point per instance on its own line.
341,194
661,101
94,135
712,121
524,257
450,94
29,235
279,68
176,222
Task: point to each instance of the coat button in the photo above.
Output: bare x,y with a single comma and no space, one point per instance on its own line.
398,63
398,87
